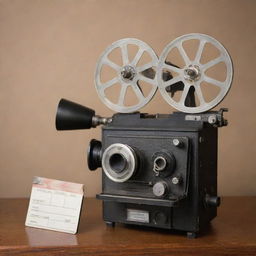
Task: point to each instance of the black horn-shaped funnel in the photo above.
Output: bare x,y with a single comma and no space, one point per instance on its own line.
73,116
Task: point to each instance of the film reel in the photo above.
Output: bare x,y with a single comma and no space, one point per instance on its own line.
128,74
189,78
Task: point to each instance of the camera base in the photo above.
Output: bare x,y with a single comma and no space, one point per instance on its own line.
110,223
192,235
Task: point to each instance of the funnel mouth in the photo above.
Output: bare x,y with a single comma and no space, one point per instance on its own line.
73,116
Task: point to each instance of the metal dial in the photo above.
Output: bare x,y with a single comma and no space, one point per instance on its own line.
193,73
159,189
129,74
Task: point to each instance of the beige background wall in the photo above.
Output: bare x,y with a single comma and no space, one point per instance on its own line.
49,49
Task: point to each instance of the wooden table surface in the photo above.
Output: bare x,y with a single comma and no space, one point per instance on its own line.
233,232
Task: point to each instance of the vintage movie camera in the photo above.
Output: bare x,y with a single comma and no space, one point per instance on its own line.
159,170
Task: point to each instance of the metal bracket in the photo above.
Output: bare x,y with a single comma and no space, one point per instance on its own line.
214,118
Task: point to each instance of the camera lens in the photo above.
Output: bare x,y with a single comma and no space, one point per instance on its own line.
117,162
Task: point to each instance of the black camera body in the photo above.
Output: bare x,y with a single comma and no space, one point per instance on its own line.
157,170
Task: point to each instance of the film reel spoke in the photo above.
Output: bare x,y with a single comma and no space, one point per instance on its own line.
109,83
200,95
110,63
146,79
183,53
214,81
137,57
145,67
212,63
124,52
200,51
127,74
184,94
172,81
122,94
138,92
193,74
172,68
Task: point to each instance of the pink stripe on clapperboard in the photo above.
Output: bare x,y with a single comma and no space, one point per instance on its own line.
40,182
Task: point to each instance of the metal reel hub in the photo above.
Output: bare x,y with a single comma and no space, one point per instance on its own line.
128,73
192,73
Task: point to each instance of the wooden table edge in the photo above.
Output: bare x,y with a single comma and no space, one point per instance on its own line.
136,249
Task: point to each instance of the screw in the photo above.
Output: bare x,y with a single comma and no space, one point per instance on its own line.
212,119
177,143
175,180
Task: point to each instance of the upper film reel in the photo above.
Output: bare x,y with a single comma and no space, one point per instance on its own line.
194,79
130,74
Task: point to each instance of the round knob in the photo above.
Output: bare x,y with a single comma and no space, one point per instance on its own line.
160,189
212,200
